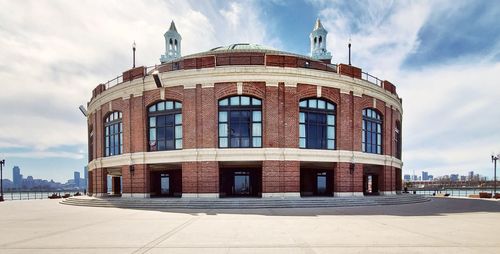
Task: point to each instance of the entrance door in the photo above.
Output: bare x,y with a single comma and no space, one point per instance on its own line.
370,184
321,183
165,184
241,186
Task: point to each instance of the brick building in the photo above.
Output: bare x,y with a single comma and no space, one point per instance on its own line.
245,120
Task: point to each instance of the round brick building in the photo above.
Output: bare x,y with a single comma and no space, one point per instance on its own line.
245,120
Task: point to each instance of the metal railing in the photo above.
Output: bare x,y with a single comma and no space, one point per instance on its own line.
456,192
114,82
30,195
372,79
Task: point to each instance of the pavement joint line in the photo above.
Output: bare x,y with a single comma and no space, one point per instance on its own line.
152,244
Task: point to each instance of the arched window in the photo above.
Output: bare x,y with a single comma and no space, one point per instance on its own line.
397,139
316,124
113,134
315,41
165,126
372,131
171,44
240,122
320,41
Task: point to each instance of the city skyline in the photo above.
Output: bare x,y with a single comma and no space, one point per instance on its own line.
414,44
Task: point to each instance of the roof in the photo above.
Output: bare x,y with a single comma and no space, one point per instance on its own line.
242,46
172,27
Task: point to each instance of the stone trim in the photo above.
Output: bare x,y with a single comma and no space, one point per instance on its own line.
200,195
348,194
281,195
242,154
135,195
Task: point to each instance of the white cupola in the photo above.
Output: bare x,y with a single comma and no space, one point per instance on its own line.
318,43
172,44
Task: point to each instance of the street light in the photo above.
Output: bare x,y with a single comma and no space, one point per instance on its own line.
494,159
2,163
133,49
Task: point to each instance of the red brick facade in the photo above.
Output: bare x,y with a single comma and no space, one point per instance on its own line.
280,129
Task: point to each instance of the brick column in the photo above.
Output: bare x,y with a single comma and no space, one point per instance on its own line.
271,117
136,182
90,183
280,178
208,118
348,182
357,118
345,122
200,179
189,119
291,117
101,182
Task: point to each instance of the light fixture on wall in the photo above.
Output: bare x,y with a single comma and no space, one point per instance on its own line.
156,77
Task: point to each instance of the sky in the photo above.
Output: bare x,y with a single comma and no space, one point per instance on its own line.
443,56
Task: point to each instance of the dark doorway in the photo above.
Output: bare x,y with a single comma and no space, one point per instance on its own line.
240,183
316,182
116,185
166,183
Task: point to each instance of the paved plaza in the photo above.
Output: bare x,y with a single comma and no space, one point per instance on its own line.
443,225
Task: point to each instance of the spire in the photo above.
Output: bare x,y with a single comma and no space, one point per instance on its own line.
318,43
318,25
172,27
172,44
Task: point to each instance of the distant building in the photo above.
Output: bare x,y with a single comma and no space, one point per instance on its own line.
454,177
407,178
17,178
76,178
470,176
463,178
425,176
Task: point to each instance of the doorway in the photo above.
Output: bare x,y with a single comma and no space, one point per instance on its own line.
240,182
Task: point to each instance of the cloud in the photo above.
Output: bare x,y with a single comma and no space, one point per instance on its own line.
55,52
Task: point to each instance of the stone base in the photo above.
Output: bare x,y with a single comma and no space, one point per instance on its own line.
200,195
135,195
99,195
281,195
387,193
348,194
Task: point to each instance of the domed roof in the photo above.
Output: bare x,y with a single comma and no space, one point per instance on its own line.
242,46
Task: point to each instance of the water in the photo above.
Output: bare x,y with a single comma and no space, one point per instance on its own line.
462,192
28,195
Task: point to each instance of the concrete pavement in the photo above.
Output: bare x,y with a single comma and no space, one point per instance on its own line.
440,226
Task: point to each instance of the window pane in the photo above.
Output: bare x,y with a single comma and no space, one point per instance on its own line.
235,101
302,143
235,142
245,101
222,130
313,103
169,105
257,116
257,142
152,121
178,144
222,142
330,144
321,104
256,102
161,106
379,139
178,105
257,129
330,132
152,108
223,116
178,118
245,142
302,130
223,102
178,131
302,117
152,134
379,128
331,120
363,147
303,104
330,106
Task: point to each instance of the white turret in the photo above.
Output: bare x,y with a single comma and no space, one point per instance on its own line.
172,44
318,43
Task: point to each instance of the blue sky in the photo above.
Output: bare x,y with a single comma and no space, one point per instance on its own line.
444,57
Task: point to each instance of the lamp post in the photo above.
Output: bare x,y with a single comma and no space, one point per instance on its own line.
133,49
2,163
349,45
494,159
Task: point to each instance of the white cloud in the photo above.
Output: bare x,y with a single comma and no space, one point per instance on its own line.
55,52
